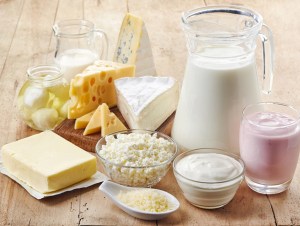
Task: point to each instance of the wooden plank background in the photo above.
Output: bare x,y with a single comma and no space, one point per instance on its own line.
26,40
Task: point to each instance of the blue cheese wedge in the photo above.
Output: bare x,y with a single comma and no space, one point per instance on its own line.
146,102
134,46
47,162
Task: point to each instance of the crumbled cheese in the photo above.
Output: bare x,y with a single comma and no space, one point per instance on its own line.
137,150
145,199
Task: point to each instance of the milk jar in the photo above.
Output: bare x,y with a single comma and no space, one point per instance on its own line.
78,44
220,76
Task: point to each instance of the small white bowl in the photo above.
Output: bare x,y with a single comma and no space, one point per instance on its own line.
208,194
112,190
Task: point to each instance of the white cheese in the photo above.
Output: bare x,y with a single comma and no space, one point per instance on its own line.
145,199
134,46
146,102
136,151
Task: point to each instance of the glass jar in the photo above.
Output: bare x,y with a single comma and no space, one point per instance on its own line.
43,98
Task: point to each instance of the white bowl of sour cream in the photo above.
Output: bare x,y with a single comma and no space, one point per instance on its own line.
208,178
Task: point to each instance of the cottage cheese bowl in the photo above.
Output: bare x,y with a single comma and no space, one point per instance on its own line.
138,158
208,178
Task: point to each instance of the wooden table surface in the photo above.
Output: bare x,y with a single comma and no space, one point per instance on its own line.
26,39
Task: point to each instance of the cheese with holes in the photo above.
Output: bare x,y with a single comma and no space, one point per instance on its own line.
83,121
94,124
47,162
134,47
146,102
110,123
95,85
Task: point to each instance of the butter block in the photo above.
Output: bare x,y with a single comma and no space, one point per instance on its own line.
134,46
95,85
47,162
146,102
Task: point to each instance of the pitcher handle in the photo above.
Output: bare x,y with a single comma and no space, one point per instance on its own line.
268,58
103,49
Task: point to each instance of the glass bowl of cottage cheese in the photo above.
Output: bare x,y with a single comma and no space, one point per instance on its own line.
137,158
208,177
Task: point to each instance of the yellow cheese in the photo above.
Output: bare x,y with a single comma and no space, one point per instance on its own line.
109,122
83,121
94,124
95,85
47,162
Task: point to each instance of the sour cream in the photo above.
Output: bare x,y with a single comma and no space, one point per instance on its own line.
208,178
209,167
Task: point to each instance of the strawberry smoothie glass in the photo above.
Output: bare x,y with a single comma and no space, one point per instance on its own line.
269,146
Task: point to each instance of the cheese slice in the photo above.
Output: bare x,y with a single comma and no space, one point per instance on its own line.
95,85
94,124
110,123
83,121
134,47
146,102
47,162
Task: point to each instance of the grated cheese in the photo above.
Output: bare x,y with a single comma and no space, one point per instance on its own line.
145,199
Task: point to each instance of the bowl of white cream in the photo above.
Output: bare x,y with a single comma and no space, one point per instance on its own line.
208,178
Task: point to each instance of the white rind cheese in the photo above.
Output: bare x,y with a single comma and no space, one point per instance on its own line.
146,102
134,46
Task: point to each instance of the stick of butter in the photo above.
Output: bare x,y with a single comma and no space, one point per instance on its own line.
48,162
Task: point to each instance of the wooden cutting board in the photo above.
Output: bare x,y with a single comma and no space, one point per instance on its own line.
88,143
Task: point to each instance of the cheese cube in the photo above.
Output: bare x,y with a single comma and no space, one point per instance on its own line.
134,46
47,162
95,85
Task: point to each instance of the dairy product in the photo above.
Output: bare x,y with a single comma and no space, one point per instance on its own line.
94,124
134,47
47,162
83,121
95,85
269,144
208,180
145,199
110,123
74,61
136,159
209,167
214,93
146,102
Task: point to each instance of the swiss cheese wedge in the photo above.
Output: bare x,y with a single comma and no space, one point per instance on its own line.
109,121
95,85
83,121
94,124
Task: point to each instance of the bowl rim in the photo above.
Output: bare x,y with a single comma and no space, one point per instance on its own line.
164,136
210,150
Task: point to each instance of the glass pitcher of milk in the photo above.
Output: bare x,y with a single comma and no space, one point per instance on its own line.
220,76
78,44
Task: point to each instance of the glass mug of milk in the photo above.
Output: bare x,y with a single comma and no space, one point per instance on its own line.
220,76
78,44
269,145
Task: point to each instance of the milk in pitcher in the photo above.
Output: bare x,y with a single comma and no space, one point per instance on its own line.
214,93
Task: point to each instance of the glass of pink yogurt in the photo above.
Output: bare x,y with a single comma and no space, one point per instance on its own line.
269,146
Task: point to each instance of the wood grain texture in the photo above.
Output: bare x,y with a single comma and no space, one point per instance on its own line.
88,143
26,40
